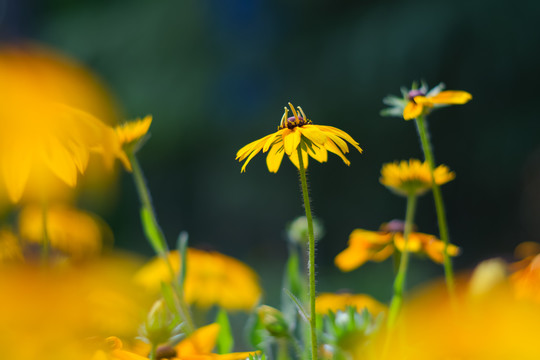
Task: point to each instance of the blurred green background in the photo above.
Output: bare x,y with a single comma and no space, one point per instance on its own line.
216,74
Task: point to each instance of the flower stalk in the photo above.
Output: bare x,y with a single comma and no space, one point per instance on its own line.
311,261
157,238
399,282
439,203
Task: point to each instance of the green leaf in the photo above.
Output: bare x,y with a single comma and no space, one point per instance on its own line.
299,306
152,231
182,246
167,292
225,340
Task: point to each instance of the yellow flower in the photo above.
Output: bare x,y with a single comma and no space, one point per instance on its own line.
365,245
298,132
46,130
71,231
420,101
432,326
49,313
211,279
129,135
413,177
334,302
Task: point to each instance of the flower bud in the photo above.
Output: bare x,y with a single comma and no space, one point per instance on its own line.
273,321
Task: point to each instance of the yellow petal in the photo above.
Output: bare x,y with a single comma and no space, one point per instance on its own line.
451,97
314,134
351,258
330,146
272,139
273,160
60,161
246,150
341,134
294,159
200,342
318,153
412,110
291,140
16,170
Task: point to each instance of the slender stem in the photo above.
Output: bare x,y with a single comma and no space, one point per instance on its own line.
156,237
399,282
311,263
153,352
439,204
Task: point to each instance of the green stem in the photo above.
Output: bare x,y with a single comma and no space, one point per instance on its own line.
157,238
311,262
439,204
399,282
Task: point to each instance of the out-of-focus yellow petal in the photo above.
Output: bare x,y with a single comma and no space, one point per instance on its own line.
412,110
211,279
334,302
200,342
351,258
450,97
413,242
74,232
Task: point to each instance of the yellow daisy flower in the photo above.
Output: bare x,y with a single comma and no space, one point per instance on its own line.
420,101
298,132
333,302
73,232
130,135
413,176
47,132
365,245
211,279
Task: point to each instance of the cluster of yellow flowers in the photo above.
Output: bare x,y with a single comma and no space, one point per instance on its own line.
67,294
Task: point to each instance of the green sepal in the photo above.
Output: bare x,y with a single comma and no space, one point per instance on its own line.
225,340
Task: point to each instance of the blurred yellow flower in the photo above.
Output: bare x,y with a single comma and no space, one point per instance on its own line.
71,231
129,134
413,176
420,102
211,279
298,132
50,313
47,132
333,302
365,245
10,247
494,327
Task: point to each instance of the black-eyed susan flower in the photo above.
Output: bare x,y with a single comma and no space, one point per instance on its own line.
51,313
73,232
131,135
365,245
211,279
413,177
298,132
48,124
420,101
335,302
